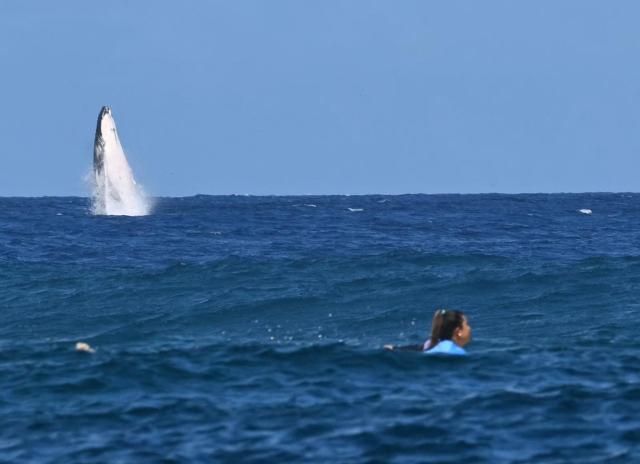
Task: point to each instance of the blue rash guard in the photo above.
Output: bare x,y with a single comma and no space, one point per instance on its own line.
447,347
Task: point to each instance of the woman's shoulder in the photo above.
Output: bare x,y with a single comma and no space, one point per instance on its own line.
447,347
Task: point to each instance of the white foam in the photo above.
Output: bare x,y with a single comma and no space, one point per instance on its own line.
585,211
355,210
115,192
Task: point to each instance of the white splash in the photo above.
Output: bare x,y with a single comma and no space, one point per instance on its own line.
115,191
585,211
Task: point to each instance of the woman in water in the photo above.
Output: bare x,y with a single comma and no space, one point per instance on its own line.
450,332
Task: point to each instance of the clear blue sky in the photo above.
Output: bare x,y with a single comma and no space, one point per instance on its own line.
315,97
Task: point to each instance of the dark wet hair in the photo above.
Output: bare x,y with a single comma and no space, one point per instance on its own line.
445,322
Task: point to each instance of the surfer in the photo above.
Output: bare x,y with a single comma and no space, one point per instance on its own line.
450,332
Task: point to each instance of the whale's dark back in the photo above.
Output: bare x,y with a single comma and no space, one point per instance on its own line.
98,143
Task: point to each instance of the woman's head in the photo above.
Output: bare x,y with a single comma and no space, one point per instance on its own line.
449,324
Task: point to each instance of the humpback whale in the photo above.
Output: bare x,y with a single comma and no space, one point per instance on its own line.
115,190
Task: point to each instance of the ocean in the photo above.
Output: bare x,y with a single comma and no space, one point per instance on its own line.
240,329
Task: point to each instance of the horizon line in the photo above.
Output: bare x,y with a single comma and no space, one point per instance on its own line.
342,194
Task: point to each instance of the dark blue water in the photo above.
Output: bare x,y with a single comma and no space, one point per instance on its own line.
249,329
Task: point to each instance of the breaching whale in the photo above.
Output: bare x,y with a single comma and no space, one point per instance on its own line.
115,190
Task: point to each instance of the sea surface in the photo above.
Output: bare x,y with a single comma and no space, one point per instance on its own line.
233,329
